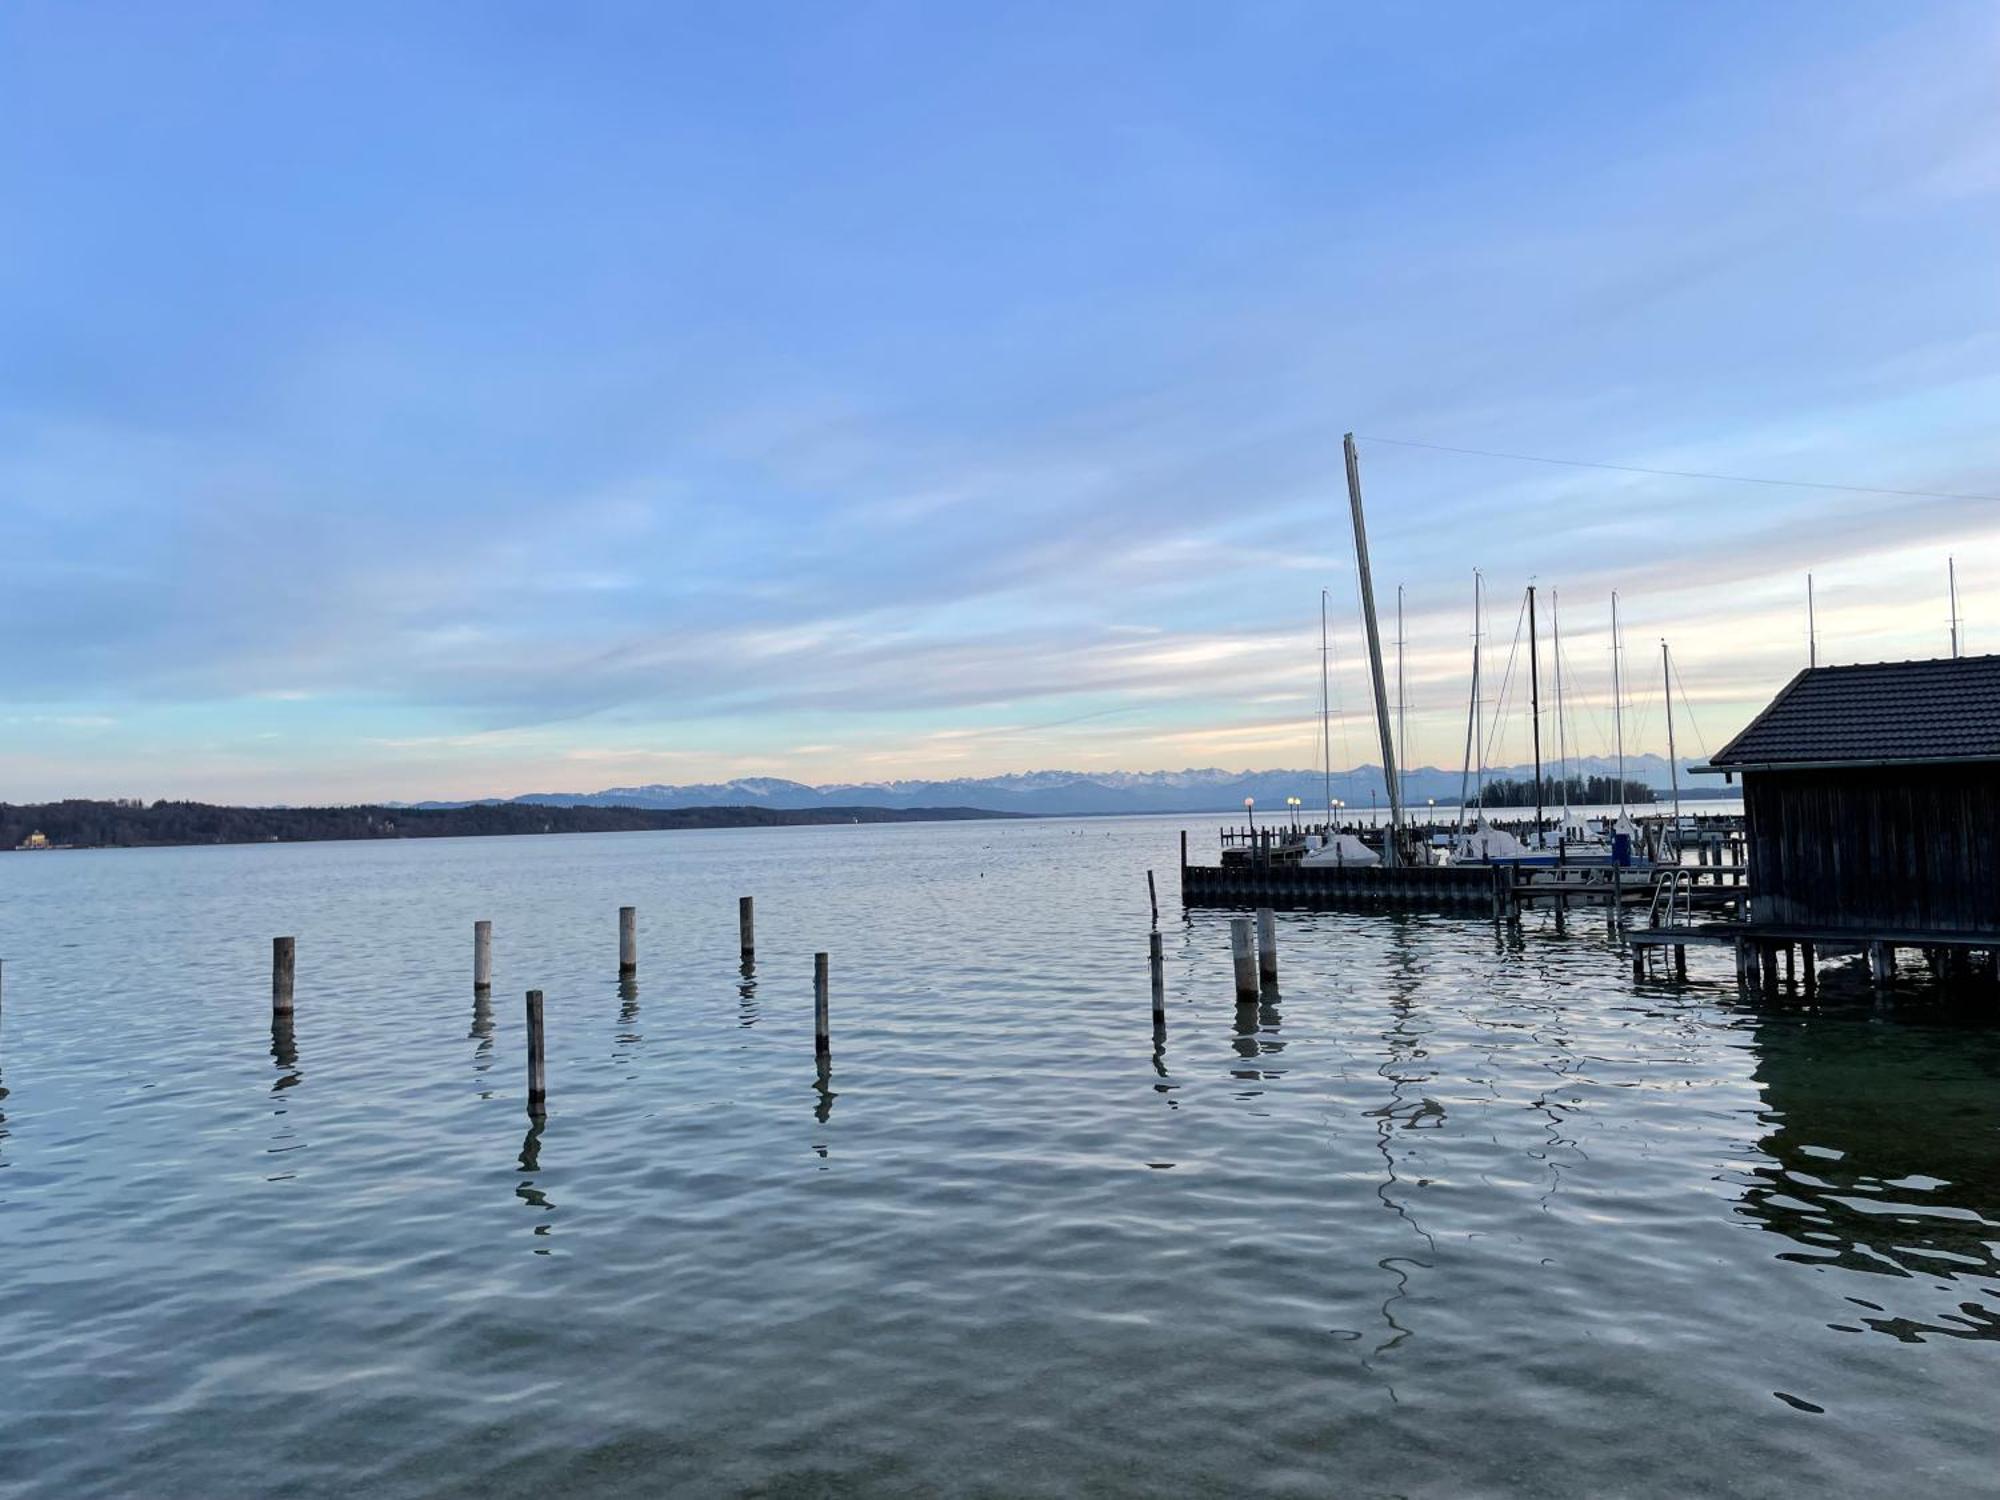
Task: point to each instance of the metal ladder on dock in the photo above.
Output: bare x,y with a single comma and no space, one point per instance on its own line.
1672,889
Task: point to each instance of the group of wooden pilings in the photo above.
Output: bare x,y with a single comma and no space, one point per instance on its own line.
1254,968
284,973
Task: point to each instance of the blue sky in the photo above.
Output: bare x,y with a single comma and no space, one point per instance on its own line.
424,400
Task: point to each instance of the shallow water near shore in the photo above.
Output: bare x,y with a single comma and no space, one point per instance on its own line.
1451,1213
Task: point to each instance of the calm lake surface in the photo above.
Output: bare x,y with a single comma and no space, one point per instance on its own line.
1453,1215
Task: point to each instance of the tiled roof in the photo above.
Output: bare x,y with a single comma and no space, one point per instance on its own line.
1947,709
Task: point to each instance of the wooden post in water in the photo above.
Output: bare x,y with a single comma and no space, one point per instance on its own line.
1881,966
746,925
628,941
284,964
538,1078
1267,945
822,1043
1808,959
1245,960
482,957
1153,897
1156,960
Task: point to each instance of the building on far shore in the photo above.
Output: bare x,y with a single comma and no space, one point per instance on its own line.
35,840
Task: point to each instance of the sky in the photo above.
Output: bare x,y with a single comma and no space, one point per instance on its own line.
440,400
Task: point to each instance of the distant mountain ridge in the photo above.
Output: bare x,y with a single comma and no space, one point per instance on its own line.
1209,789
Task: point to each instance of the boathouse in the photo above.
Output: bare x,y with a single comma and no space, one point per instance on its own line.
1872,798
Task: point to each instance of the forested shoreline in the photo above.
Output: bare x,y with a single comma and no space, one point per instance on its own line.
82,824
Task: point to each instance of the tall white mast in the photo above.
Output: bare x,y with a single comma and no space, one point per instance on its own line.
1471,708
1618,702
1951,573
1325,716
1478,705
1402,724
1391,850
1673,759
1562,738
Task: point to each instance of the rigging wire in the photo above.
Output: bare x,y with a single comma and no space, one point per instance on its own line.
1584,463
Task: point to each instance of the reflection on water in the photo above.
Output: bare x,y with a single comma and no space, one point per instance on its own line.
1456,1211
1884,1159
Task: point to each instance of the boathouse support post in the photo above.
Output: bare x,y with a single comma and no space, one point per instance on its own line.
1791,965
1881,965
482,957
746,926
538,1078
1244,960
1638,964
1808,962
284,965
1680,961
1156,960
1267,945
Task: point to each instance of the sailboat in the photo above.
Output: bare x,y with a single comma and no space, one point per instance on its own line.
1331,847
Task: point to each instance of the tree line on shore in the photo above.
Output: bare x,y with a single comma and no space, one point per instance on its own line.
128,824
1583,791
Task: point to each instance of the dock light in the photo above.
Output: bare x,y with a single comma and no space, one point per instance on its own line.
1250,810
1434,811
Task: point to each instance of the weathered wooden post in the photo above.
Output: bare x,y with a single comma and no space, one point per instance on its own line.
1808,960
822,1043
1638,964
1247,988
538,1079
1680,961
1881,965
284,964
1156,960
482,957
746,926
628,941
1267,944
1153,897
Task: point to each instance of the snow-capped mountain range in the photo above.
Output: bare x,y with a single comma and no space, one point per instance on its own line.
1059,792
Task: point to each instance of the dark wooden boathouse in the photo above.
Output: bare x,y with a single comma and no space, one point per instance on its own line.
1872,799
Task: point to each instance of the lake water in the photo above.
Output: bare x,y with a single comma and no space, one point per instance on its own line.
1453,1215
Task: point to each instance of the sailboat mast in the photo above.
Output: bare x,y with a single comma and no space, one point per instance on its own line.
1673,758
1391,850
1402,724
1535,711
1951,573
1478,707
1562,736
1618,702
1471,709
1325,714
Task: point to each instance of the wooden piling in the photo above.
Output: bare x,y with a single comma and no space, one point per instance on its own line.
1267,945
746,925
1881,965
628,941
482,956
538,1079
1808,961
1153,897
822,1043
1680,961
1245,960
1156,960
284,964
